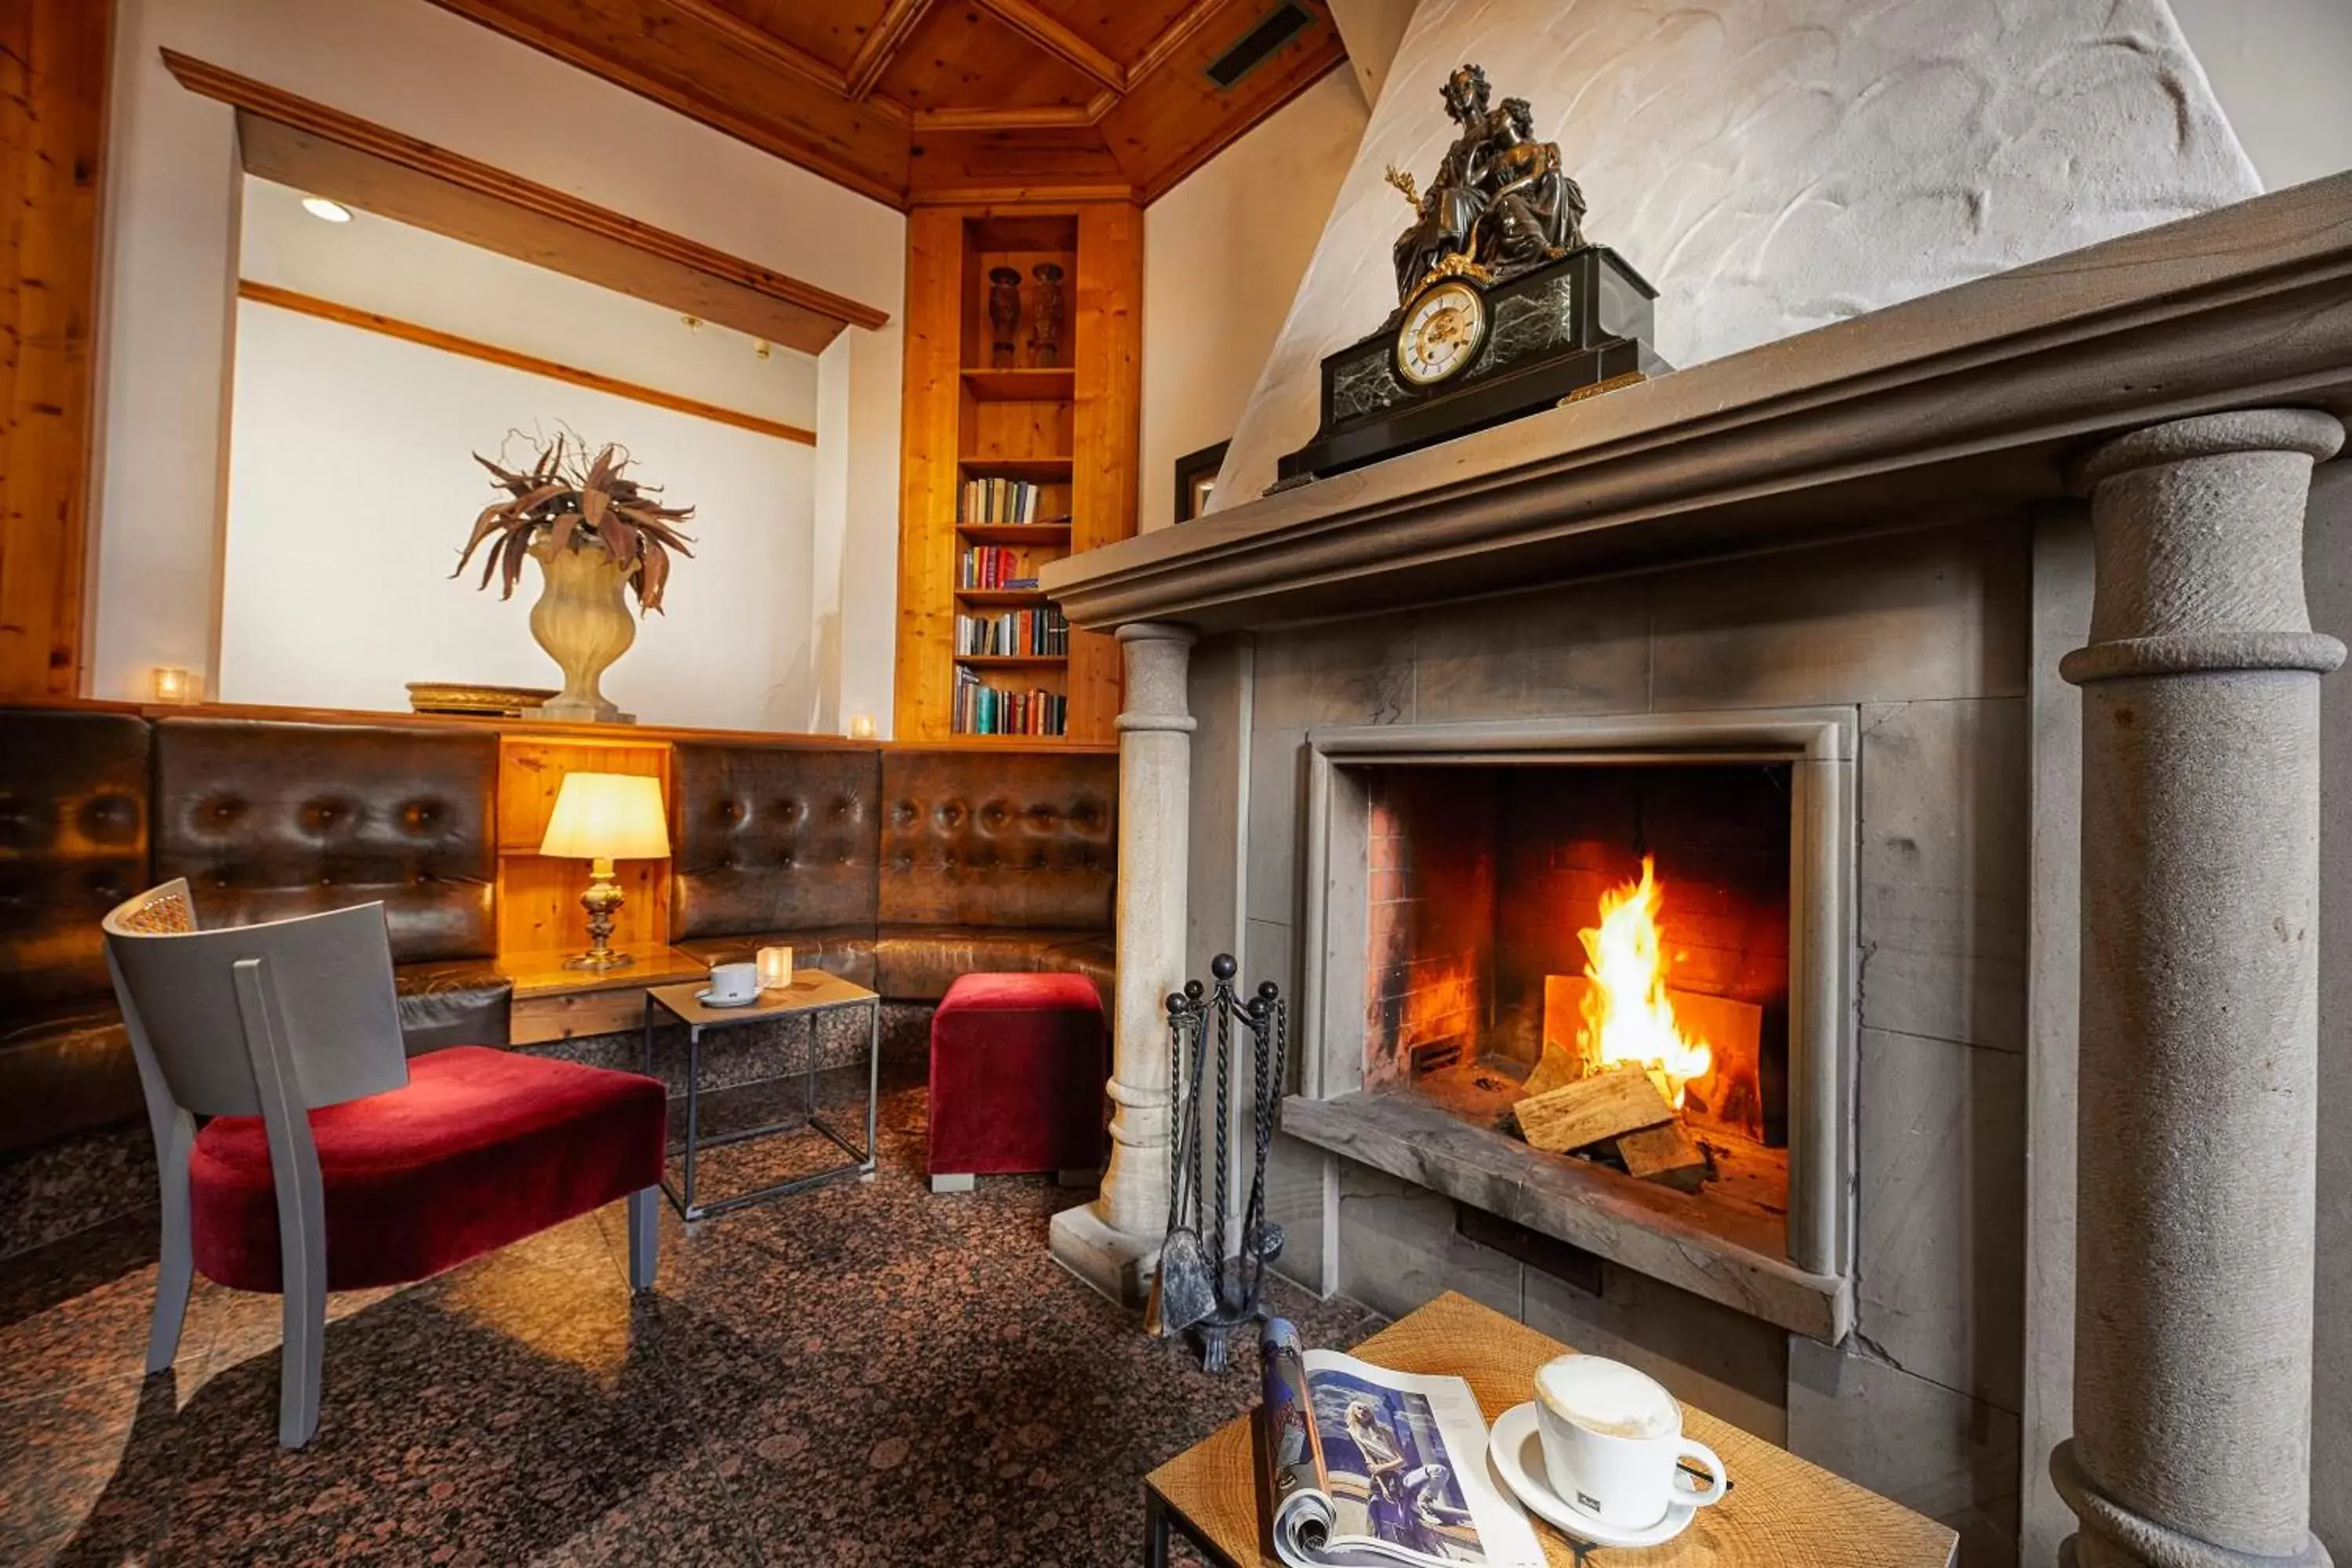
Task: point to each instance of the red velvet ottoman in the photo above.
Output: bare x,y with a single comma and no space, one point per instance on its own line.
1018,1067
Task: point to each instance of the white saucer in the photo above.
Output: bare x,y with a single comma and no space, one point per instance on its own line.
708,1000
1516,1450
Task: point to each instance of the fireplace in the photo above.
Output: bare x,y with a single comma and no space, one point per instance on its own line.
1538,930
1592,975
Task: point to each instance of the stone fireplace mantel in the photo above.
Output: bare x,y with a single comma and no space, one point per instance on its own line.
1969,400
1641,553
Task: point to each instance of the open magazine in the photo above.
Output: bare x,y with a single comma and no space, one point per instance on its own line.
1365,1466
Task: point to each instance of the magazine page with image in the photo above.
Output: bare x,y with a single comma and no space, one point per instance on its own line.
1366,1465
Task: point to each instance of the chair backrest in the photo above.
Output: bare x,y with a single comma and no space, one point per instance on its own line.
322,987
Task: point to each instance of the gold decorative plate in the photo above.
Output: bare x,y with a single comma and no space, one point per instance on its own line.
473,696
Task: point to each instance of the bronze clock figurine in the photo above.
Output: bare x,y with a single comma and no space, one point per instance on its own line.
1503,306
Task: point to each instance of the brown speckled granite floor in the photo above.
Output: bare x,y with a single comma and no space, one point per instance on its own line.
863,1375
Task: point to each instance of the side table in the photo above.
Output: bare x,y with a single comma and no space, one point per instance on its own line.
1782,1512
812,992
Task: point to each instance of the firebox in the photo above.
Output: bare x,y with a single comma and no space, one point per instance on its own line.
1594,975
1610,941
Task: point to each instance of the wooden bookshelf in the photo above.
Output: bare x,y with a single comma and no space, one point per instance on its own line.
971,417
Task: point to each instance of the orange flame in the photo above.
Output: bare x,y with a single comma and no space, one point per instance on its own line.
1626,1015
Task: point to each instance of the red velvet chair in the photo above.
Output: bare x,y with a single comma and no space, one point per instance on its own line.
332,1161
1018,1065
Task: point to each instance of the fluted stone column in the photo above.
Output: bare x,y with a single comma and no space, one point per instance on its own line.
1113,1244
2200,1036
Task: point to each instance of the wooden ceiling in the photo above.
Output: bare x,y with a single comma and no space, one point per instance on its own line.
945,100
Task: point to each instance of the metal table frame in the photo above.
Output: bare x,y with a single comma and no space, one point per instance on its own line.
860,1162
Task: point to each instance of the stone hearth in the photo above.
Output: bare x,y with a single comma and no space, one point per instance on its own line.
1880,523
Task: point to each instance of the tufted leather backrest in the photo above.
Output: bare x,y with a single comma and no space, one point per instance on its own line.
773,838
977,837
73,844
269,821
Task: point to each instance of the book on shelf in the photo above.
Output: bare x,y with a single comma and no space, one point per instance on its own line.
985,710
1004,502
1014,634
995,568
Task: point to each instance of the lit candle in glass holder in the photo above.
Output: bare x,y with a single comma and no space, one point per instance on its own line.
775,968
861,726
172,684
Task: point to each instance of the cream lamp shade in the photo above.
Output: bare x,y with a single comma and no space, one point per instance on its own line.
607,816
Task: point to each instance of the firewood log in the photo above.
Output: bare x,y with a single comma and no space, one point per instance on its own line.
1665,1155
1605,1105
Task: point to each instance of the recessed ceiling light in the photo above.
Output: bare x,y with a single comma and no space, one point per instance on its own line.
320,207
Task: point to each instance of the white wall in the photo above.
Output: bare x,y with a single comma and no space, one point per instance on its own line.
351,487
1774,166
2278,68
171,271
351,491
1223,252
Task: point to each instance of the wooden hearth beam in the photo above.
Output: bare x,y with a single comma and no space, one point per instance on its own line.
1058,41
882,44
314,148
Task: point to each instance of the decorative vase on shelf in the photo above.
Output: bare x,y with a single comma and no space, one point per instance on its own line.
595,535
1045,316
584,622
1004,314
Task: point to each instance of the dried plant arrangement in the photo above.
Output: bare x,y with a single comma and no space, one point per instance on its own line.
571,502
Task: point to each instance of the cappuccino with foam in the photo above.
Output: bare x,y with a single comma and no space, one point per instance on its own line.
1612,1442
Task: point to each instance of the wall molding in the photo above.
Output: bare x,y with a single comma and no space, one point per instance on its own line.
531,364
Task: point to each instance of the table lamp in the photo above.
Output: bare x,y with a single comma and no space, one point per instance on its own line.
601,818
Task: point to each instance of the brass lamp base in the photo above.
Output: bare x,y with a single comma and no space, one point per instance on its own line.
602,901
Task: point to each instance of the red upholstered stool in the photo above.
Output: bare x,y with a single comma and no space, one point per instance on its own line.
480,1148
1018,1066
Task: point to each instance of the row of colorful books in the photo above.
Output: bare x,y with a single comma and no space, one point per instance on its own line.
1012,634
985,710
995,567
1003,501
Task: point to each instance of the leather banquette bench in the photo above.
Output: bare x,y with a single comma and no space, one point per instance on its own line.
897,868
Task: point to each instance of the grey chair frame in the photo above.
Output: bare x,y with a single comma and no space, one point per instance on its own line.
272,1020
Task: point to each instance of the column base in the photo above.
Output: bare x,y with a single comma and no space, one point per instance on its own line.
1118,1264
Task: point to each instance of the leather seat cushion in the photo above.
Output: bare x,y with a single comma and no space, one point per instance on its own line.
918,963
481,1148
64,1069
461,1001
847,952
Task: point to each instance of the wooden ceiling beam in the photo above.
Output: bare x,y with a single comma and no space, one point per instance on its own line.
1047,117
882,45
1172,38
760,43
1057,40
322,150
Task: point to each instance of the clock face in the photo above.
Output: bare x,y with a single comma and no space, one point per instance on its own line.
1441,334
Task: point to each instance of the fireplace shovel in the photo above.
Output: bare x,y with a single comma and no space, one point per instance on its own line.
1184,1290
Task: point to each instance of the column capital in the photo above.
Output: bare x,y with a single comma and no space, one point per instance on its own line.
2198,530
1157,631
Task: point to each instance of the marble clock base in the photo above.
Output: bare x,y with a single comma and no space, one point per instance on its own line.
1569,326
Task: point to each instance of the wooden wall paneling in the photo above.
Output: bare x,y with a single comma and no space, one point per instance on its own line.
980,167
538,896
931,418
1107,322
703,76
53,92
316,148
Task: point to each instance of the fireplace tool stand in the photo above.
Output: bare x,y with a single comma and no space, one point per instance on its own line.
1202,1284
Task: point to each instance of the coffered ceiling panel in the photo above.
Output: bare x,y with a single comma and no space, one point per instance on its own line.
915,101
965,56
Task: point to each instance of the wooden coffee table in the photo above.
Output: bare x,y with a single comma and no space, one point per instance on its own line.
1782,1511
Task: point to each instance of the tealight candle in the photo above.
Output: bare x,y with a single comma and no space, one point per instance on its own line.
861,726
775,968
175,685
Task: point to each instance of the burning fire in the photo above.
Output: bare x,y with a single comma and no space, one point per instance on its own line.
1627,1017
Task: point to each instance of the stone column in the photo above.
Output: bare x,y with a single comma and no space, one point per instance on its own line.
1113,1244
2199,1053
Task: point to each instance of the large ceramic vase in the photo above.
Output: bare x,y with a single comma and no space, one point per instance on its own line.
582,621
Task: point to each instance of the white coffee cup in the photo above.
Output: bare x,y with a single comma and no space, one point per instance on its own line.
734,981
1614,1443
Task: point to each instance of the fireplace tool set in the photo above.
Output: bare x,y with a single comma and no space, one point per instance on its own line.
1203,1285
